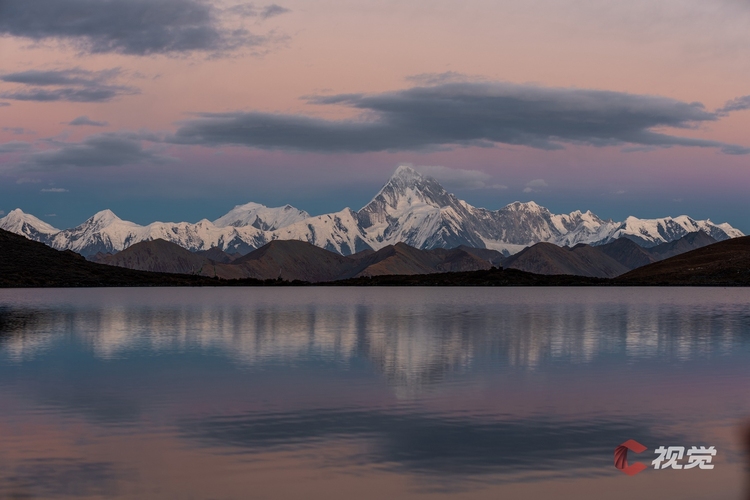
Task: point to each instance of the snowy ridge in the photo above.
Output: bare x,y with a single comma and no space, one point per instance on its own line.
410,208
27,225
261,217
338,232
652,232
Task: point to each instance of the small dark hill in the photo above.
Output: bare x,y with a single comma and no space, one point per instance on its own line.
691,241
628,253
726,263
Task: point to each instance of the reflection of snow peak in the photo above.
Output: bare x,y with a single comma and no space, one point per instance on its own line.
410,208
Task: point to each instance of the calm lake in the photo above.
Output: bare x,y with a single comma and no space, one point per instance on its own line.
370,393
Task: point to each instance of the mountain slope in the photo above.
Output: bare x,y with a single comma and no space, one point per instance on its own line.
690,241
726,263
27,225
338,232
25,263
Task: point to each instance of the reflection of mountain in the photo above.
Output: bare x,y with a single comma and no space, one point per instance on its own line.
414,337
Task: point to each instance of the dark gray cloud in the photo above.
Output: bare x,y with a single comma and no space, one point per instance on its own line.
272,10
86,121
441,78
14,146
4,104
250,10
737,104
103,150
68,77
137,27
75,85
465,113
18,131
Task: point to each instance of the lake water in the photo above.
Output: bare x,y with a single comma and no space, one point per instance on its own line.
370,393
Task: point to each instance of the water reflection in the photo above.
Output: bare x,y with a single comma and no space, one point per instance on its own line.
509,385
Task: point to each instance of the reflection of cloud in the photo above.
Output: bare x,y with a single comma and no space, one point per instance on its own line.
53,477
431,444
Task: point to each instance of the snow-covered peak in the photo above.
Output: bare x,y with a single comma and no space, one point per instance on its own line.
650,232
529,207
406,175
103,218
407,188
19,222
730,231
261,216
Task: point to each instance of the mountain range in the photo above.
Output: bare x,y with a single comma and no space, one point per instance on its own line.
26,263
411,208
292,260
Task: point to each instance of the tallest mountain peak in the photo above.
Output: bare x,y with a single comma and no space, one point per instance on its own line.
406,172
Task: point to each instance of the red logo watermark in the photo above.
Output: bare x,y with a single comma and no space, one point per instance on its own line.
669,457
621,457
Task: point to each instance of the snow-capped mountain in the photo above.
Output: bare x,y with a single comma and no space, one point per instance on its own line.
416,210
261,217
339,232
107,233
27,225
649,233
410,208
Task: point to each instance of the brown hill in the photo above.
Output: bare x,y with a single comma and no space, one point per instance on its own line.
218,255
726,263
157,256
296,260
581,260
291,260
492,256
403,259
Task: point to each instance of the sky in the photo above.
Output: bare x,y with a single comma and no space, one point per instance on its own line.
177,110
